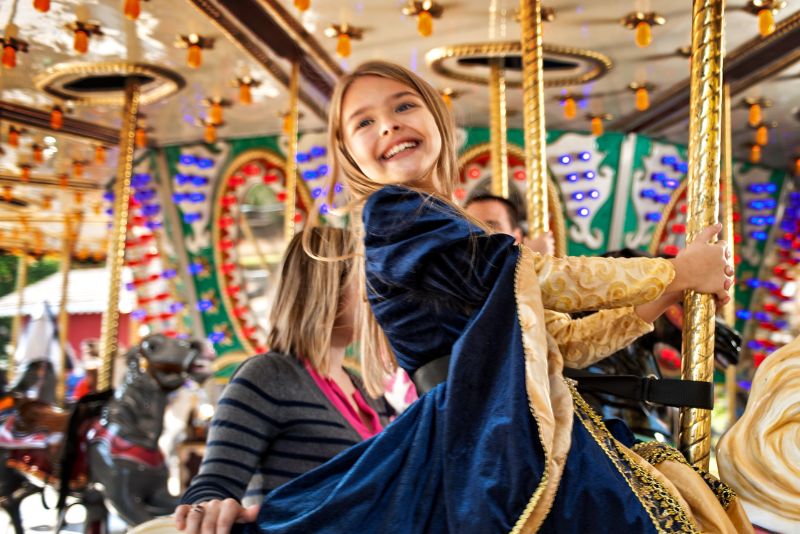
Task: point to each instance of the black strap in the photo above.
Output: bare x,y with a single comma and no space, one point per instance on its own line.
683,393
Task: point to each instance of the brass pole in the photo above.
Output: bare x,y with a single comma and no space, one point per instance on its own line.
16,325
291,157
703,210
116,245
533,109
499,127
729,311
63,316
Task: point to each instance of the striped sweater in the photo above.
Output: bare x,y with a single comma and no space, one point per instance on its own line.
272,424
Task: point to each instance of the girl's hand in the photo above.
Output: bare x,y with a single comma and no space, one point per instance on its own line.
217,517
703,267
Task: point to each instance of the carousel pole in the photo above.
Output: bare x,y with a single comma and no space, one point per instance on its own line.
291,156
729,311
116,250
533,108
63,316
16,325
703,210
499,127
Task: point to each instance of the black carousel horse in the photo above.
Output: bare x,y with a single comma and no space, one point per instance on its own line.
106,449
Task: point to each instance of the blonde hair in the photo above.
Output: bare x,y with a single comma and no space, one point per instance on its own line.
308,294
377,358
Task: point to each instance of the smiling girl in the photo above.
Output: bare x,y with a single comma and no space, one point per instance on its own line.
504,443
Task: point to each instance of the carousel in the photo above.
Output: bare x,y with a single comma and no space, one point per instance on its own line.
157,156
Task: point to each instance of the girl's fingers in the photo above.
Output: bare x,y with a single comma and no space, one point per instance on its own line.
193,520
209,525
180,516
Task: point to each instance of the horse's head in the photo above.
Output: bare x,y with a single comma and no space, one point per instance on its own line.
171,361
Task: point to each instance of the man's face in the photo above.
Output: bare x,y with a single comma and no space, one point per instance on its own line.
494,214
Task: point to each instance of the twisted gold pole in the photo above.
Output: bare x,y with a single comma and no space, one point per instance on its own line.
533,109
63,316
291,157
703,210
499,127
16,325
729,311
116,245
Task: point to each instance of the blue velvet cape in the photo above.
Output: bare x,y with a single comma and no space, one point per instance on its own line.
466,457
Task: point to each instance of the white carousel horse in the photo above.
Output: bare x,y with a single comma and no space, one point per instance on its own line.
759,456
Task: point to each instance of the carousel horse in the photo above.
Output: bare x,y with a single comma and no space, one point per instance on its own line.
655,354
759,456
106,450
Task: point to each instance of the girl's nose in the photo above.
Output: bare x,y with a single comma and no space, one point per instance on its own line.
389,127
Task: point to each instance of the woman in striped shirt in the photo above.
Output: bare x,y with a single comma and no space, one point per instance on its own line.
293,409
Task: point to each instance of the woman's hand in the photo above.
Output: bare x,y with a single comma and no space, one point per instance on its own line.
213,517
703,267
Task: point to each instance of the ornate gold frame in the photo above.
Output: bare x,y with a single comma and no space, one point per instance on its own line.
170,82
435,58
553,196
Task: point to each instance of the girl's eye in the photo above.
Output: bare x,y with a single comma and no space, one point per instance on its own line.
363,123
407,105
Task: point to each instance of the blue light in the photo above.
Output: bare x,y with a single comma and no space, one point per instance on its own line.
585,156
669,160
762,316
175,307
195,268
216,337
317,151
138,315
169,274
771,188
649,193
302,157
781,324
323,209
204,305
792,213
671,184
782,242
754,283
589,175
153,225
769,220
745,384
130,286
583,212
653,216
759,236
109,211
770,350
757,204
757,188
199,181
757,221
565,159
577,195
316,192
744,315
204,163
177,198
139,180
754,344
109,195
771,286
150,210
664,199
144,195
323,170
338,189
572,177
182,179
770,204
190,218
658,177
682,167
187,159
594,193
794,197
310,175
196,197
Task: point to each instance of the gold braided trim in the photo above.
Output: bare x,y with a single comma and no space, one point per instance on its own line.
655,453
665,511
546,474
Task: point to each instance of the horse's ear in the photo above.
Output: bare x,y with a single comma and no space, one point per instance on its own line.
133,353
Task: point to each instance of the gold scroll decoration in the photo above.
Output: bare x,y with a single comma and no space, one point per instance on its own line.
499,127
703,210
291,157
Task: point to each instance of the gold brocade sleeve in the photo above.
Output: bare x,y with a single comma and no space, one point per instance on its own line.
584,341
572,284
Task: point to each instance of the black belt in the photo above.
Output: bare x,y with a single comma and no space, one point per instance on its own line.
683,393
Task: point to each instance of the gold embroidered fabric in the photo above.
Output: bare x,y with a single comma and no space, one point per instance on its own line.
582,342
571,284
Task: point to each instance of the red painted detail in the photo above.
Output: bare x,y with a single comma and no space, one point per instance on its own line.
474,173
460,193
225,222
672,250
683,208
228,268
251,170
298,217
240,311
125,450
736,217
225,244
235,181
270,178
758,358
228,201
248,331
281,196
232,290
519,176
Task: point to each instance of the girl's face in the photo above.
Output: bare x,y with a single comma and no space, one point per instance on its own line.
390,133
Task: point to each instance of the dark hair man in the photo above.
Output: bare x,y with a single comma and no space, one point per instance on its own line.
502,216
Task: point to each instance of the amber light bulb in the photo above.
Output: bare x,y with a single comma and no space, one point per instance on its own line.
7,196
302,5
9,57
448,100
77,169
766,22
43,6
81,44
287,124
755,115
215,116
570,109
642,99
797,167
245,95
97,209
755,154
38,155
62,181
56,118
343,45
425,24
99,155
597,126
13,138
762,135
141,138
47,203
195,56
25,173
211,133
132,9
78,198
644,34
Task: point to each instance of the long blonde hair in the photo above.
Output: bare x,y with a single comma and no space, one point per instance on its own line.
377,358
308,294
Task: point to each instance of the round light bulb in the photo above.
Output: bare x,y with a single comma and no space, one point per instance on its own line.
762,135
642,99
195,56
99,155
343,45
9,57
245,96
211,133
755,154
141,138
43,6
644,34
56,118
81,44
425,24
597,126
570,108
132,9
302,5
216,113
766,22
755,115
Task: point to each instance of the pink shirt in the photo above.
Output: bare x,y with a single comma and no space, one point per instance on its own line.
337,397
